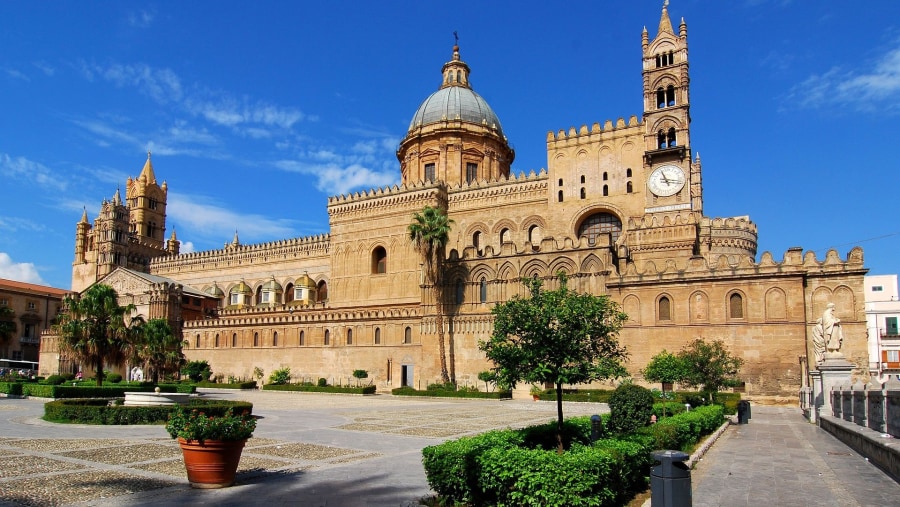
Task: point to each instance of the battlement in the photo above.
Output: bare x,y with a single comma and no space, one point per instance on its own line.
315,314
307,246
595,132
700,267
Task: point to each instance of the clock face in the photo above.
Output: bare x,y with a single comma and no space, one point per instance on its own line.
666,180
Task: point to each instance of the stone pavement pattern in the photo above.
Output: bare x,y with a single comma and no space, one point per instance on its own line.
310,450
779,459
326,450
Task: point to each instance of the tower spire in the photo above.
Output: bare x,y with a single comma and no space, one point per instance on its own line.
665,24
147,171
456,72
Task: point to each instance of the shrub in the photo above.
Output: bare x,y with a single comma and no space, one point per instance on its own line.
250,384
68,377
443,393
99,411
370,389
55,380
281,376
13,388
683,430
322,382
114,378
446,386
667,409
197,425
452,468
197,370
630,408
576,430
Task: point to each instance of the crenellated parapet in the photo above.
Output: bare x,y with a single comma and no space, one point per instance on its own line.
309,246
398,196
565,138
732,236
724,266
515,188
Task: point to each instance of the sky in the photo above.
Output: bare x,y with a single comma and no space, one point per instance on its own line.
256,113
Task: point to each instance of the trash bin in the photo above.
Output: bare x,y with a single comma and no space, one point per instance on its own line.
670,480
743,412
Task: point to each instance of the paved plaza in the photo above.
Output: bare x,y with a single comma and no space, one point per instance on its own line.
333,450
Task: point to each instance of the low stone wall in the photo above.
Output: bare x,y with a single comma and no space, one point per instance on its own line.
882,451
866,417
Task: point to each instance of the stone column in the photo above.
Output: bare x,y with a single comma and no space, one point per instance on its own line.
831,373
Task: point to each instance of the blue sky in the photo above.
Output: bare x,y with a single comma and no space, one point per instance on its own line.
256,113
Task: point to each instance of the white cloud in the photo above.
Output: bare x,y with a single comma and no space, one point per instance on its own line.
334,179
46,68
163,85
19,271
141,19
23,169
15,74
17,224
869,90
186,247
225,110
203,216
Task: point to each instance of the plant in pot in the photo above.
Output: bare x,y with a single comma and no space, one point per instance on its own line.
536,392
211,445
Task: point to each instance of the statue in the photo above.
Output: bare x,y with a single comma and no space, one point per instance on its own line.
827,335
137,374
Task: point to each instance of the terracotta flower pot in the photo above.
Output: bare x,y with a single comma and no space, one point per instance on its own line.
211,464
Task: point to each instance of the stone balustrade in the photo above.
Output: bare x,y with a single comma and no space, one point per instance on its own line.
874,405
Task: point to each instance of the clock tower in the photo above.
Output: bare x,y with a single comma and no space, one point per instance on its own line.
673,182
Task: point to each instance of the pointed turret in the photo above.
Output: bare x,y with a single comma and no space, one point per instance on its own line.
84,218
117,198
147,172
173,245
665,24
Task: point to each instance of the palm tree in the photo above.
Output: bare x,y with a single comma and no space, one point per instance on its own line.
7,326
159,348
92,329
429,233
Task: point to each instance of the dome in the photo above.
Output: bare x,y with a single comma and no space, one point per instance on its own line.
452,103
272,285
306,282
216,291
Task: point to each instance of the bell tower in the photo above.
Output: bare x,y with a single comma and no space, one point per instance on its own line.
147,207
672,183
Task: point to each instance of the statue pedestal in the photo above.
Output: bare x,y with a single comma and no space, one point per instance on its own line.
834,371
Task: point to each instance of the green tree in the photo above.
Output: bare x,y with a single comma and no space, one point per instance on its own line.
95,329
665,368
709,365
157,347
429,234
359,375
487,377
198,371
7,326
557,336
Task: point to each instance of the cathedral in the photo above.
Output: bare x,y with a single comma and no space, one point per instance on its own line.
619,208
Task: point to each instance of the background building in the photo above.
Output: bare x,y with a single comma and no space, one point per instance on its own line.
619,208
882,314
33,308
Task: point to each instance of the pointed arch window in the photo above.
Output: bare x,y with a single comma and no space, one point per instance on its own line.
661,139
275,338
377,336
670,96
560,196
302,340
407,335
379,260
460,292
322,291
660,98
664,307
605,190
217,340
584,194
670,137
349,337
234,340
736,306
327,337
482,290
628,172
256,339
476,241
197,342
505,236
629,188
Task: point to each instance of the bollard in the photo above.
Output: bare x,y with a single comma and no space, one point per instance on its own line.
670,480
596,428
743,412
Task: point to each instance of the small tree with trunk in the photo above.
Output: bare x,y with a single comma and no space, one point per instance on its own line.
559,337
159,348
709,366
665,368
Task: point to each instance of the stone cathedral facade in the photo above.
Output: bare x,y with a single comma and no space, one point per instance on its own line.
619,208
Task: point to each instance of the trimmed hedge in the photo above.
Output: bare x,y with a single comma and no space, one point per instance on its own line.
13,388
446,393
583,395
101,411
316,389
519,468
63,391
250,384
